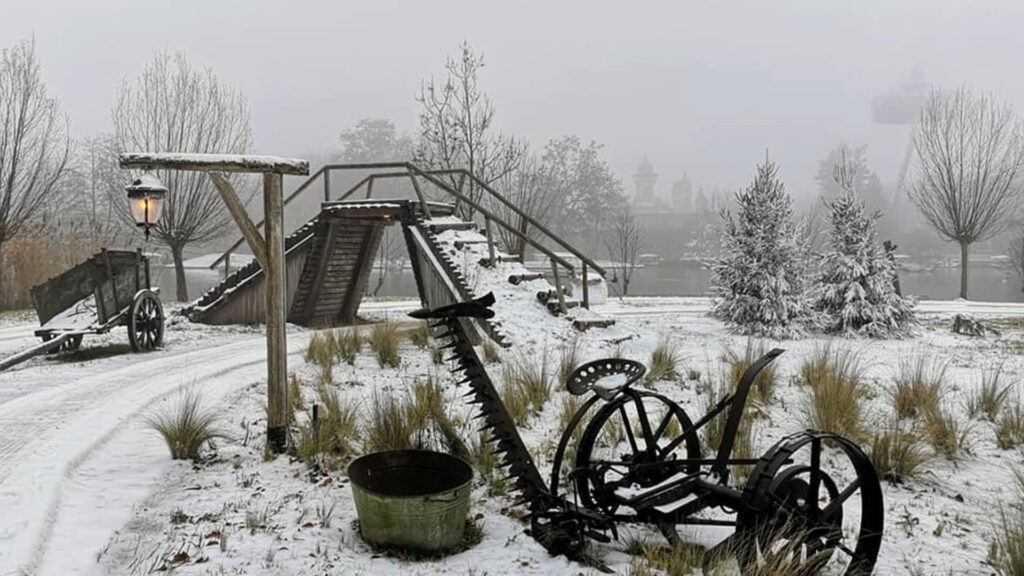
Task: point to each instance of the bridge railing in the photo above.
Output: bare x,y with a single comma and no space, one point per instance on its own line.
437,178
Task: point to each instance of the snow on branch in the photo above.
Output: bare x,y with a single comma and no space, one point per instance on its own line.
214,162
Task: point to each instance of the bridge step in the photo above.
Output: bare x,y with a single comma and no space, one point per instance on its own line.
554,306
486,262
582,325
460,244
517,279
439,227
551,295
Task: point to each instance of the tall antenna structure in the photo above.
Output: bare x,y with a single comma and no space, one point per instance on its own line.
902,106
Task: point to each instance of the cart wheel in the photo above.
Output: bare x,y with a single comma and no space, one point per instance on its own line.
806,520
613,445
146,322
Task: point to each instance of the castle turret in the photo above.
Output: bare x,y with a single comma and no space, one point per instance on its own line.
643,182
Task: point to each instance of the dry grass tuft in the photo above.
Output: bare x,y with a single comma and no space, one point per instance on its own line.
1010,427
764,383
530,376
384,341
896,454
420,335
517,403
295,400
920,385
835,392
483,456
714,430
347,344
329,441
491,355
568,360
185,425
664,360
1006,551
945,434
391,425
320,353
431,419
989,397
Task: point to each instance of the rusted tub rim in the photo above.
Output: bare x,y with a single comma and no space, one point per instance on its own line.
459,467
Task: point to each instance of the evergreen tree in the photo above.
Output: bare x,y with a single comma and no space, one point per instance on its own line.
757,283
855,291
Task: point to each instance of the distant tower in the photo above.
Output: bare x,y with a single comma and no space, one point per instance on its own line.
682,195
644,181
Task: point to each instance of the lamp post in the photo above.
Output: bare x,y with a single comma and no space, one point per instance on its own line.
146,201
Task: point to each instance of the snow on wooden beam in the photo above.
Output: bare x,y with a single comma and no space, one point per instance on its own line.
214,163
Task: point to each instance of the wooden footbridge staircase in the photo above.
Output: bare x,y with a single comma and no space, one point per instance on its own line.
329,259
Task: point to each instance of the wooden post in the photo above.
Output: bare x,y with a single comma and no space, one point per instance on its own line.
227,264
369,188
327,185
490,241
586,285
277,364
558,287
419,194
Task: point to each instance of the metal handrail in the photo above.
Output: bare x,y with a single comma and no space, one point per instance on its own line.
411,171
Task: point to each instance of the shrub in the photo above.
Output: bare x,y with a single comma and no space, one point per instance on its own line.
988,398
835,395
420,335
185,425
329,441
664,359
896,454
384,341
391,426
1010,427
764,383
945,434
347,344
919,386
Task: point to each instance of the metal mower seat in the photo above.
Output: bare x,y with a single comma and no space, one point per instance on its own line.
605,377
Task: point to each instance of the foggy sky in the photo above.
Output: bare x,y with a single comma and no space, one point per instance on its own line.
697,88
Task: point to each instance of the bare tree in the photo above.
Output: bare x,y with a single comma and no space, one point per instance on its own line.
456,128
174,108
94,191
589,195
624,244
530,189
1016,252
971,157
34,142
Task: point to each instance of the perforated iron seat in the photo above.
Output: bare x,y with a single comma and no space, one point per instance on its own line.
605,377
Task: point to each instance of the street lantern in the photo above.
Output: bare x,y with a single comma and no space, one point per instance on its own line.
146,200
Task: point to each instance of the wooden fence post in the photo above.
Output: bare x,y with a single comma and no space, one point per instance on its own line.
558,287
277,354
586,285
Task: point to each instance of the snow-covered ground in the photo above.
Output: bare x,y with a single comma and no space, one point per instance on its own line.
85,488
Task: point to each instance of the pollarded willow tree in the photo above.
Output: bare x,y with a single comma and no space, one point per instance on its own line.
34,144
971,159
172,107
624,243
457,128
757,281
1015,251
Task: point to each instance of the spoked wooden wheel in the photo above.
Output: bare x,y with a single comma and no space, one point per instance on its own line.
622,441
816,509
146,322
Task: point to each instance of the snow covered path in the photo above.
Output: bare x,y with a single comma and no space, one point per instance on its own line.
75,458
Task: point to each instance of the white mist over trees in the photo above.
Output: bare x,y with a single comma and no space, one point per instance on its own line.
970,153
172,107
34,144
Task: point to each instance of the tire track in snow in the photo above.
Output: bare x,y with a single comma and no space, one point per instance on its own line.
50,423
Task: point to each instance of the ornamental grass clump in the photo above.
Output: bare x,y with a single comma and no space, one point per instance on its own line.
185,424
664,360
384,341
835,395
896,453
764,382
328,441
919,386
989,396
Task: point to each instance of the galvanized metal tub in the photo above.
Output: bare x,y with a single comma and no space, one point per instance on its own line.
415,499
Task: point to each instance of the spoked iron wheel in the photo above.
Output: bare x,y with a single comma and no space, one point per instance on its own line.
622,441
146,322
816,509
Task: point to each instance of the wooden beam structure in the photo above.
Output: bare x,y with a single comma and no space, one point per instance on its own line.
271,248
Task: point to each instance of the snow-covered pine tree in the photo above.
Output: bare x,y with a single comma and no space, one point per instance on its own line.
855,289
757,283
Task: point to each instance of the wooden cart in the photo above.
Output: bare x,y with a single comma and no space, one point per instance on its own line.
108,290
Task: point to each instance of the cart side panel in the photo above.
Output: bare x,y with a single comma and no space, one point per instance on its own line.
117,296
70,287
